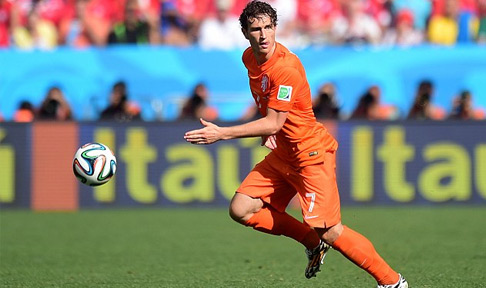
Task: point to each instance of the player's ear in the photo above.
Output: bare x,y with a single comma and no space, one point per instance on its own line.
244,33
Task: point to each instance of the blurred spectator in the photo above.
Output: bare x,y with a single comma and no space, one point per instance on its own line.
48,10
438,6
314,19
444,27
481,34
194,12
325,104
420,9
46,24
468,26
238,6
383,111
174,29
24,7
366,109
149,10
381,11
463,109
197,105
91,22
54,106
222,31
133,29
8,21
37,33
355,26
25,112
404,33
422,108
77,31
52,10
71,31
120,108
287,32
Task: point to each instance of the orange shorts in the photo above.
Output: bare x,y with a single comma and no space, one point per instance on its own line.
276,183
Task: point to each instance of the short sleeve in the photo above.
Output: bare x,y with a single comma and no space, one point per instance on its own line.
285,84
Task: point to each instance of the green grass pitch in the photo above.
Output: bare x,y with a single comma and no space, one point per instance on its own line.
431,246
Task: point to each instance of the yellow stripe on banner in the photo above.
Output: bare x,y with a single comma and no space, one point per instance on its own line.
481,170
106,193
362,164
7,171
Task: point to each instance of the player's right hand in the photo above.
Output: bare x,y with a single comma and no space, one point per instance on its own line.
210,133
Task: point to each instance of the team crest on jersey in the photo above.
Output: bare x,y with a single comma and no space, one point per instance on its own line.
284,93
264,82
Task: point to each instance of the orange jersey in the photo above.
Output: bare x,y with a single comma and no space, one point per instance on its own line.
281,84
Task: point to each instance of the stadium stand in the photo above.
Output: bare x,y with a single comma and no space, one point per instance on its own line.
66,26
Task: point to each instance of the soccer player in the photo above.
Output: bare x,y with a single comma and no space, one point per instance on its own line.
302,160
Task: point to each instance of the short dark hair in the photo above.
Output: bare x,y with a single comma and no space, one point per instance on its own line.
256,9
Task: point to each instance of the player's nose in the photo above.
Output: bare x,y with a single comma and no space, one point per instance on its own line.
263,34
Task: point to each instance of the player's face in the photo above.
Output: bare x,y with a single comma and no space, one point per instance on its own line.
261,34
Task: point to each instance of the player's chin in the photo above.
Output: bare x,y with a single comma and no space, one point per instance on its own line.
264,49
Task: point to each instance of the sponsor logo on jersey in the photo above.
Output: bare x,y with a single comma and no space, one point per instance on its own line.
284,93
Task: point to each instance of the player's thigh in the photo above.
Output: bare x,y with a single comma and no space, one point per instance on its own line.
319,194
267,181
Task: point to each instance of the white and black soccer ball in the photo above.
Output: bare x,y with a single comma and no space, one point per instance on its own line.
94,164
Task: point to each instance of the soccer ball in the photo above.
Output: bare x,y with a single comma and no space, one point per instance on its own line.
94,164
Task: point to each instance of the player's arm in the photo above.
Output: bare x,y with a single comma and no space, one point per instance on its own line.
266,126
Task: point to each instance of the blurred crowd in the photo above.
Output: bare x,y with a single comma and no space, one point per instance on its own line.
213,24
55,106
370,106
197,105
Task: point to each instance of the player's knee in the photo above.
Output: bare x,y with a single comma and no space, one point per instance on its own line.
238,212
331,234
242,207
235,214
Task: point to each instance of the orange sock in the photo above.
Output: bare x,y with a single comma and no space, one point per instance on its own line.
361,252
270,221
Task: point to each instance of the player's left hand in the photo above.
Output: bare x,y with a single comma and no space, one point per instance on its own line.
210,133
